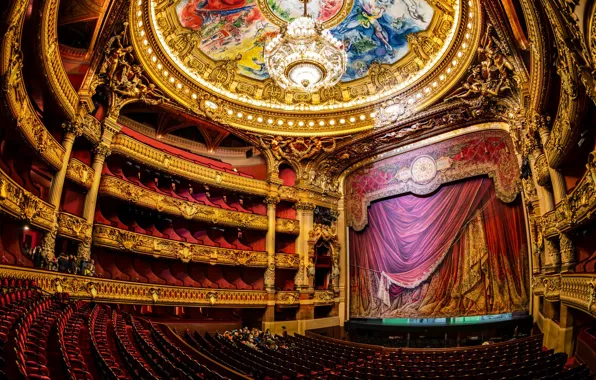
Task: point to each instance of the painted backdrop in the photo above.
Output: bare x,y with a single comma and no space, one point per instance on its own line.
459,251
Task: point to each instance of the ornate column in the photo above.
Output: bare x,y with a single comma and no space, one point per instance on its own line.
102,150
306,271
72,131
271,203
540,123
305,213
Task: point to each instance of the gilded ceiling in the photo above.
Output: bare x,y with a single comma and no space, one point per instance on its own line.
208,56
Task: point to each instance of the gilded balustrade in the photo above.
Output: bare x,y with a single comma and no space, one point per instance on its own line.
324,297
138,151
577,290
115,238
15,94
80,173
51,62
73,226
123,292
575,210
21,204
121,189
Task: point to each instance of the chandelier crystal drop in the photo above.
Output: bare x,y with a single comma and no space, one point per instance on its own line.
305,57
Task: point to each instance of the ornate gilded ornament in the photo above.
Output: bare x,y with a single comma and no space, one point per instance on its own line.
490,77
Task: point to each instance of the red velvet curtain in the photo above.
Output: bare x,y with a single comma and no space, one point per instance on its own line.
408,236
459,251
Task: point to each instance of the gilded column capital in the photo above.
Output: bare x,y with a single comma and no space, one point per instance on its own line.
73,127
567,248
542,171
271,200
102,151
305,206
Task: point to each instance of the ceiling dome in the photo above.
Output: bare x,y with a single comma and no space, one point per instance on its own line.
406,51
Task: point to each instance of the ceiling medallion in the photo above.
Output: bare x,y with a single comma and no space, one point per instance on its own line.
305,57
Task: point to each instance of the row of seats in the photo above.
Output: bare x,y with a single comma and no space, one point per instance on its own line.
134,361
220,355
69,325
180,358
98,328
162,365
149,223
32,333
304,357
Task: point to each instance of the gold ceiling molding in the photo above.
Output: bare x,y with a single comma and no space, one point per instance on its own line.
15,94
123,292
80,173
123,240
73,227
51,61
22,205
246,103
576,209
121,189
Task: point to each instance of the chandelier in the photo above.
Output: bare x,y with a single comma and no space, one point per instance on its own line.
305,57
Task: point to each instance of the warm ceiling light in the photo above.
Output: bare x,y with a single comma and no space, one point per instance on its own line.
305,57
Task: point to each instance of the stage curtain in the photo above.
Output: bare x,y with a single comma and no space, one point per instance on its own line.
459,251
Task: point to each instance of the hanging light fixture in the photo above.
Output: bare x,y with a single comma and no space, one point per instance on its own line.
305,57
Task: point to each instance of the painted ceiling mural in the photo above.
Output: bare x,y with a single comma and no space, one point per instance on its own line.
373,30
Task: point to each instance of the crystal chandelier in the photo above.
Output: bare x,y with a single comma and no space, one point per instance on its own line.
305,57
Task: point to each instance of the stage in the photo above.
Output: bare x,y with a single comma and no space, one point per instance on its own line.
446,332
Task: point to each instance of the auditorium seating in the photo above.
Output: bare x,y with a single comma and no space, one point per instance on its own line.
125,347
313,358
136,364
98,328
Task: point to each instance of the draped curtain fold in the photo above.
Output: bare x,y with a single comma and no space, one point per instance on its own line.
458,251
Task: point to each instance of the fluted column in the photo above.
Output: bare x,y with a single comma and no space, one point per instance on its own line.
271,203
72,131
